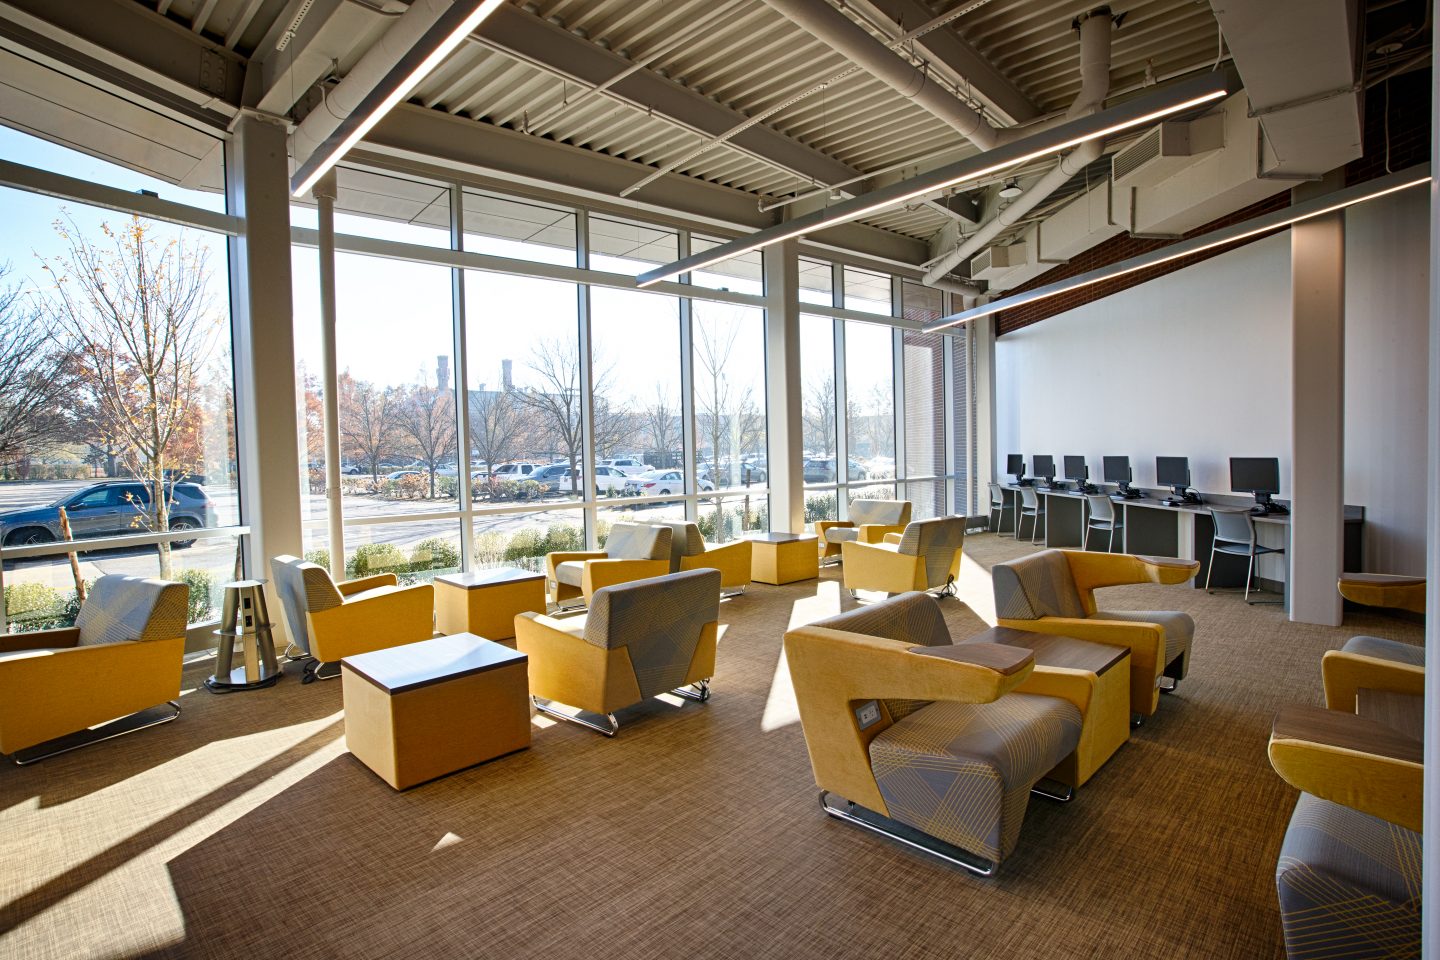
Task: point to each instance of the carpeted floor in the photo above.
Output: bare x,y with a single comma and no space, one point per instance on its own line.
246,830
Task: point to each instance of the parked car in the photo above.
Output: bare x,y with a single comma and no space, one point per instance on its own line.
662,483
402,474
822,470
107,509
516,471
557,478
731,473
629,466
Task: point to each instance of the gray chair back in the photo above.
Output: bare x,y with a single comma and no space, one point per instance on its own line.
119,608
936,540
638,541
1036,586
997,497
910,618
685,541
303,587
1029,499
888,512
1233,526
658,621
1101,507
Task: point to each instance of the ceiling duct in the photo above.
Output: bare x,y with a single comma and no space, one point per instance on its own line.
1165,150
994,262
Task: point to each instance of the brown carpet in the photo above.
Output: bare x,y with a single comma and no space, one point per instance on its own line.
245,830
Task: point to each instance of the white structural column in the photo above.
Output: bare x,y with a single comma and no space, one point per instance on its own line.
783,398
1430,900
258,191
1317,520
982,345
324,192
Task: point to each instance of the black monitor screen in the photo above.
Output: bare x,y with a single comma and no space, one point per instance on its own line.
1075,469
1044,465
1015,464
1255,474
1172,471
1117,469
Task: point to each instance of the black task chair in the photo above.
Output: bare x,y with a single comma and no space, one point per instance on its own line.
1235,535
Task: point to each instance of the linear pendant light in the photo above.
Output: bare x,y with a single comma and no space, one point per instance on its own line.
447,32
1318,206
1186,95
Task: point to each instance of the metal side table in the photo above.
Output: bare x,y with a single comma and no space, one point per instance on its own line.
244,620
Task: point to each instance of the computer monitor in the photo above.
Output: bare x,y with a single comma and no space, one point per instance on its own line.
1117,470
1044,467
1174,472
1015,466
1075,469
1257,475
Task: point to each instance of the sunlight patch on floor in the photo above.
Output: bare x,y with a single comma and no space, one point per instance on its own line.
975,589
780,708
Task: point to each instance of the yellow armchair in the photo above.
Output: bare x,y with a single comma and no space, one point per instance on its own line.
926,555
124,655
1053,591
633,551
329,621
870,521
1371,663
689,551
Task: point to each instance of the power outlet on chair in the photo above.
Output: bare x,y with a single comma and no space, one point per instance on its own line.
868,714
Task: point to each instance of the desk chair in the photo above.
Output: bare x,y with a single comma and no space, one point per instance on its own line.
1235,535
1102,517
1030,506
998,506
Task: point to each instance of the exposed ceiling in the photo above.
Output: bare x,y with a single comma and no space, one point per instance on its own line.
653,84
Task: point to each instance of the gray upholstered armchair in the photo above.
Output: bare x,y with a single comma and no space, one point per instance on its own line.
869,521
633,551
689,551
926,555
913,731
637,640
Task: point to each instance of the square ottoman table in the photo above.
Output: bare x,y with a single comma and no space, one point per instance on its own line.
421,710
485,602
783,557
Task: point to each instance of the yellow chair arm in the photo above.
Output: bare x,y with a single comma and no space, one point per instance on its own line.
566,668
553,560
397,616
40,639
607,573
894,538
876,532
879,566
1384,590
1146,642
1350,760
1094,570
1345,673
350,587
731,559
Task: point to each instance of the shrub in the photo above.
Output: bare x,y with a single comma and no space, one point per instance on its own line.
562,536
446,488
504,490
489,548
434,554
530,490
820,507
373,558
202,589
35,606
525,543
319,556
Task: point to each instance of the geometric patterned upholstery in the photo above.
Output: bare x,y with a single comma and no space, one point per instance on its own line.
841,534
936,540
638,541
658,621
686,540
962,772
571,572
1381,649
118,609
1349,884
889,513
910,618
303,587
1036,586
1179,628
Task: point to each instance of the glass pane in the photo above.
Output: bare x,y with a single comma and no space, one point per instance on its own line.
924,367
40,593
921,303
384,207
729,371
523,539
927,498
636,369
821,504
722,519
397,402
817,369
309,390
611,514
525,231
114,385
867,291
870,400
627,246
870,491
524,391
742,274
817,282
416,552
962,419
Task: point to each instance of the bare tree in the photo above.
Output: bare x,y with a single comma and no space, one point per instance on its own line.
367,422
497,423
720,407
662,423
880,426
138,308
426,415
38,374
818,416
556,365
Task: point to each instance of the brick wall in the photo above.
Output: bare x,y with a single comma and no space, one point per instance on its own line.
1409,138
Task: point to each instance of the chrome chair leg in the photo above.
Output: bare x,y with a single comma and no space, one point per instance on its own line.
312,671
699,694
20,759
1060,793
1211,568
544,707
910,837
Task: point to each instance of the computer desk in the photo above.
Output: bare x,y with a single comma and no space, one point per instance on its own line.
1152,528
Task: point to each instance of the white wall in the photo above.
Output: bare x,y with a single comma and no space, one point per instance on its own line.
1197,364
1387,304
1194,364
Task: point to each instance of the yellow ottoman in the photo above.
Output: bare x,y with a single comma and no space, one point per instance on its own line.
421,710
783,557
1093,676
485,602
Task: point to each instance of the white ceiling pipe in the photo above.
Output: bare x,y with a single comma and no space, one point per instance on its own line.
404,33
832,27
1095,29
